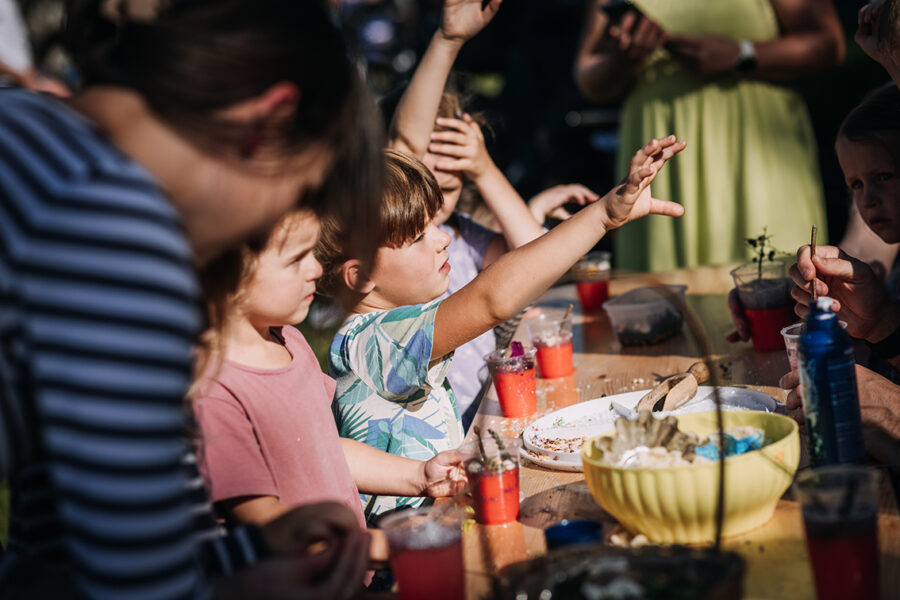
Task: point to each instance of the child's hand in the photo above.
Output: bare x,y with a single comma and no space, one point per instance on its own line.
462,19
444,475
631,199
549,203
461,148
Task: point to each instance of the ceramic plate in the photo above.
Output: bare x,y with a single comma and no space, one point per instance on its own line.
554,441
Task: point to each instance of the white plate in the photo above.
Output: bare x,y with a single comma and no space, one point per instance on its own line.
596,417
547,462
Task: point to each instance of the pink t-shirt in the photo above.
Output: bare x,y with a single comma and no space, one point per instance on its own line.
272,432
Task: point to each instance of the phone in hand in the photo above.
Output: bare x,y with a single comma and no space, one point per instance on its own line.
616,9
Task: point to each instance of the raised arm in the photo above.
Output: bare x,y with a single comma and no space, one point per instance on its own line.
520,276
611,54
413,122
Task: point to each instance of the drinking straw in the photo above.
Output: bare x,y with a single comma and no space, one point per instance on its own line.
812,252
568,312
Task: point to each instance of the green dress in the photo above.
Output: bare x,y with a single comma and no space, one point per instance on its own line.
750,161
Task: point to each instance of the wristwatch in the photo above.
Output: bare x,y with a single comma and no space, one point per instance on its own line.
746,58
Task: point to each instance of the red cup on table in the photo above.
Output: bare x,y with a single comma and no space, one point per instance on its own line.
426,553
493,473
514,381
840,518
591,274
552,338
764,293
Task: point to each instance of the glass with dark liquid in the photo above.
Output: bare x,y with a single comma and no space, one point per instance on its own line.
840,517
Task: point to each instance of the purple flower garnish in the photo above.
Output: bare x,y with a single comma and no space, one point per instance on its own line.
516,349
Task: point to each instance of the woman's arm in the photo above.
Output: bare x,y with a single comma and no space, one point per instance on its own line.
811,40
610,55
413,122
520,276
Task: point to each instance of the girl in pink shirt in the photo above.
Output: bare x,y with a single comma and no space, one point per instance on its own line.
268,436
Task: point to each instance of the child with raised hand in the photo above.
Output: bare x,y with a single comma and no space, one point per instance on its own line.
432,125
391,356
268,438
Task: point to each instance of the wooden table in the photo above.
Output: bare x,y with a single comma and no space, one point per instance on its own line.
776,557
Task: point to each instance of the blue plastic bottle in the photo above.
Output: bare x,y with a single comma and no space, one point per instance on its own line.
830,397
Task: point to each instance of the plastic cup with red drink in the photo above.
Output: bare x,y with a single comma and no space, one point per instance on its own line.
493,471
426,553
552,338
591,275
840,518
763,291
512,370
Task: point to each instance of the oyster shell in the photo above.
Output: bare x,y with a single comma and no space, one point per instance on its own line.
646,431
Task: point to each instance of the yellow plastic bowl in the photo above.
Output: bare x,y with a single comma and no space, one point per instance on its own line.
677,505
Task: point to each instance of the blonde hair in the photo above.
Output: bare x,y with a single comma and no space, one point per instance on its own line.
410,200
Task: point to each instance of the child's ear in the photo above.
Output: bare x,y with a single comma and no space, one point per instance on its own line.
354,277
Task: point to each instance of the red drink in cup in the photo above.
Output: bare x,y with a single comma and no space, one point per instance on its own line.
763,291
552,337
766,325
591,275
840,517
495,479
426,553
554,360
514,381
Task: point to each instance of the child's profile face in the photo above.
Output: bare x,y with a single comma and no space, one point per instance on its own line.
874,183
450,183
415,273
282,286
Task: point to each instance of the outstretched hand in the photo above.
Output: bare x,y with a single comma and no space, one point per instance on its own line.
444,475
549,203
462,19
860,300
632,199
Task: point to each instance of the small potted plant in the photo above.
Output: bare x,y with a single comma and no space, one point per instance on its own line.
763,290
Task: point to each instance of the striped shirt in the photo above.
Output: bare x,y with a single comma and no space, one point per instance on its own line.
98,314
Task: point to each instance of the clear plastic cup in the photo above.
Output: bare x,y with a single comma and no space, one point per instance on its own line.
426,552
591,275
514,380
494,477
552,338
763,291
791,335
840,519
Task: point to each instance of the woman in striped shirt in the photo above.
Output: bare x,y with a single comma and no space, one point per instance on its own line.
200,123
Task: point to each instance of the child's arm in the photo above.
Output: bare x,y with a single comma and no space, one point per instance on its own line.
461,149
414,120
520,276
381,473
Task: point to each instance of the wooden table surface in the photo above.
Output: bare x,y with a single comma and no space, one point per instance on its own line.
775,553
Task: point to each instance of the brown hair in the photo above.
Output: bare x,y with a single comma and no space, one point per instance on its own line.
225,279
876,120
410,200
190,59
